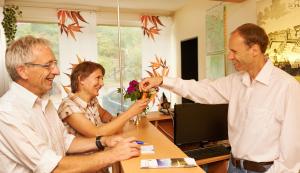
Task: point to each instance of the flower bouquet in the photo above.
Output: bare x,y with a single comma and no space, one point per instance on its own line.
133,93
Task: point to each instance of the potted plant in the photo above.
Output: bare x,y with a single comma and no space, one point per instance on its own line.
9,23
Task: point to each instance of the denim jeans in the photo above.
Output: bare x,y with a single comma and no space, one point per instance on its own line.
233,169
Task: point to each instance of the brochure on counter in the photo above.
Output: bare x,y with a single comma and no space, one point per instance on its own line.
168,163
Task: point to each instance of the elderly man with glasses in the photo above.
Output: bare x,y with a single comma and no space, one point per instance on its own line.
32,137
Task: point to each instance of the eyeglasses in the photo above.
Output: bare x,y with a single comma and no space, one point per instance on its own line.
50,65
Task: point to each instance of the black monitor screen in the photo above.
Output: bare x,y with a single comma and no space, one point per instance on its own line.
199,123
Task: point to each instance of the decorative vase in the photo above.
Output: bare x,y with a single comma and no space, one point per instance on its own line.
137,120
140,119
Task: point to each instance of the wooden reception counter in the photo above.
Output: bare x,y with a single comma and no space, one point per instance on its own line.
163,147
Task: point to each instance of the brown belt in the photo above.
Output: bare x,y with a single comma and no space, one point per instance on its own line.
250,165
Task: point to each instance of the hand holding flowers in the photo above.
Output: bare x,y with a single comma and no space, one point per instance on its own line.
133,93
136,90
138,107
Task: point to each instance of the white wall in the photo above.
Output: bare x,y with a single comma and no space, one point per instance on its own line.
189,22
238,14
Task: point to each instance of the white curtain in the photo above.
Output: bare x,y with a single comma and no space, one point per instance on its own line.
85,46
162,47
5,79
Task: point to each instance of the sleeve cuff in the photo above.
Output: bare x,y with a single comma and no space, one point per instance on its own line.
68,140
168,82
49,160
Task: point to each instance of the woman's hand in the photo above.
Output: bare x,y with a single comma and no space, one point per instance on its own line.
138,107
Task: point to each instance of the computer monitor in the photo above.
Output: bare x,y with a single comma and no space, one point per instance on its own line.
200,123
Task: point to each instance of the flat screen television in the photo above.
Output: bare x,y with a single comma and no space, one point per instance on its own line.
199,123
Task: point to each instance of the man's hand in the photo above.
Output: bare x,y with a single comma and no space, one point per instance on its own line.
125,149
111,141
150,82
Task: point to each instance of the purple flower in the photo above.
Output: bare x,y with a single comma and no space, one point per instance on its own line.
133,86
133,83
130,89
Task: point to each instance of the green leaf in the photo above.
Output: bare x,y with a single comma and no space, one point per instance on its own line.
119,90
10,13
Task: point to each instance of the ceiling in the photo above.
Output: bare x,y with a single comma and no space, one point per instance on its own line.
166,7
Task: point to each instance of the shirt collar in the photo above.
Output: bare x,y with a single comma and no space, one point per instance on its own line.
25,96
263,76
45,101
78,100
82,102
28,98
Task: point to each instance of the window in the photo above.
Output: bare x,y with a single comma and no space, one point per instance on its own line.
47,31
131,46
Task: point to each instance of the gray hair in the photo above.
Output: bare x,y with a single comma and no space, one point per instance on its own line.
21,51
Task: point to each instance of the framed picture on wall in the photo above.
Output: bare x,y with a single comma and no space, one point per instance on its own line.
216,64
215,42
278,19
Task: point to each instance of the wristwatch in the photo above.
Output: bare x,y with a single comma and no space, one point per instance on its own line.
98,143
